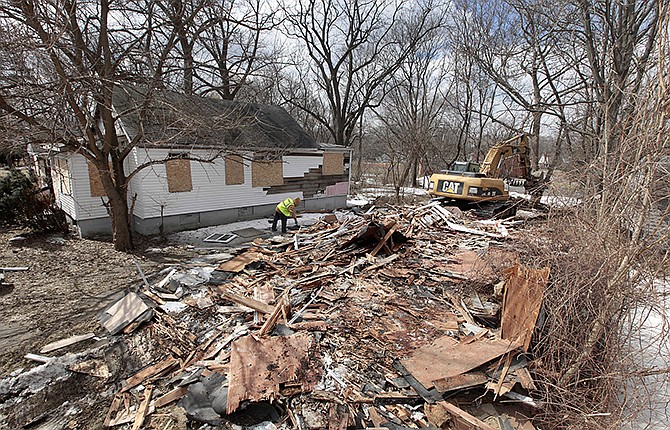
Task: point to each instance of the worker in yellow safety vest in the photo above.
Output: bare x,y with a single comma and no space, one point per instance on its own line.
285,209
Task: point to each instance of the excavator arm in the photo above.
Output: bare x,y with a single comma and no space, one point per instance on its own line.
508,159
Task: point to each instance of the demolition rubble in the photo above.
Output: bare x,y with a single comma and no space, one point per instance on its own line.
409,317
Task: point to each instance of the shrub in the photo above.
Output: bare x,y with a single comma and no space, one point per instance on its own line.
23,204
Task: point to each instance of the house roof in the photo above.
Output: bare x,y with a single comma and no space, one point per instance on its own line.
171,119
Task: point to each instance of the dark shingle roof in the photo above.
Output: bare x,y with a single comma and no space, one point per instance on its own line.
171,119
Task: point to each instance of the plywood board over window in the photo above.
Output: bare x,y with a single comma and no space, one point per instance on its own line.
178,175
267,173
333,163
97,190
234,170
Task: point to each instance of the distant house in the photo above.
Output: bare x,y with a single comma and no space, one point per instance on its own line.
257,156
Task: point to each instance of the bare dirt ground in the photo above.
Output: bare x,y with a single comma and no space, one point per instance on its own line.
68,281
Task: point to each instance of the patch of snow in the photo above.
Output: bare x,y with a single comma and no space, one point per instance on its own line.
554,201
193,236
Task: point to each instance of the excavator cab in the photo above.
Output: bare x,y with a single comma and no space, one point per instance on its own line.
464,182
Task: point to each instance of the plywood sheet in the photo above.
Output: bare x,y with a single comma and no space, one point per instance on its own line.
333,163
179,175
267,173
258,366
524,292
97,189
447,357
465,380
234,170
238,263
472,266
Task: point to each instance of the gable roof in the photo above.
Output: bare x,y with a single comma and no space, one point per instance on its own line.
171,119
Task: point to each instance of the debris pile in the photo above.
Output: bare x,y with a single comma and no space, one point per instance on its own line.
399,318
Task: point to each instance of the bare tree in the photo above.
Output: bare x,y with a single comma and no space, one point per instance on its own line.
79,52
353,47
414,111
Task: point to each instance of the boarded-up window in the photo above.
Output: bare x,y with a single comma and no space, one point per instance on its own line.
178,174
97,189
234,170
267,173
333,163
62,171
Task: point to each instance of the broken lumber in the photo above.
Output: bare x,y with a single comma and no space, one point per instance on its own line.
463,419
248,302
239,262
385,239
128,309
149,372
171,396
144,408
66,342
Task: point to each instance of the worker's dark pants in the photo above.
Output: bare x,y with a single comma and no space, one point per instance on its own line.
283,218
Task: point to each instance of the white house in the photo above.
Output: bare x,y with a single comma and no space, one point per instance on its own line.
257,156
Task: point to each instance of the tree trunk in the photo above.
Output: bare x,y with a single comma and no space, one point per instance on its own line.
118,214
118,210
535,141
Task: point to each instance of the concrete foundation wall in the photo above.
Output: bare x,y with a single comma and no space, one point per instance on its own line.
174,223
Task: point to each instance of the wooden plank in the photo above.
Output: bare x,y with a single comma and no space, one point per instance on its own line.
446,357
381,263
463,419
338,417
239,262
38,358
171,396
524,293
386,237
144,408
249,302
458,382
123,312
66,342
113,408
148,372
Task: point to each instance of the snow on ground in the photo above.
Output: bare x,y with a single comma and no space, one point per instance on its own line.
653,352
305,219
554,201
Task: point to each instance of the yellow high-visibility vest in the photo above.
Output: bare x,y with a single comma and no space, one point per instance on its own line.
284,207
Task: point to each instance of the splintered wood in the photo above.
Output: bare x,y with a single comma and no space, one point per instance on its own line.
238,263
386,310
258,367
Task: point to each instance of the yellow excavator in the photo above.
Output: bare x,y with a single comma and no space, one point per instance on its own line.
486,185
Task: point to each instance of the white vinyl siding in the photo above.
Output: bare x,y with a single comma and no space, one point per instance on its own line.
210,191
83,206
65,200
296,166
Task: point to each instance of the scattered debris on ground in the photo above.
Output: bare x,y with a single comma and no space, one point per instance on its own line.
395,317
